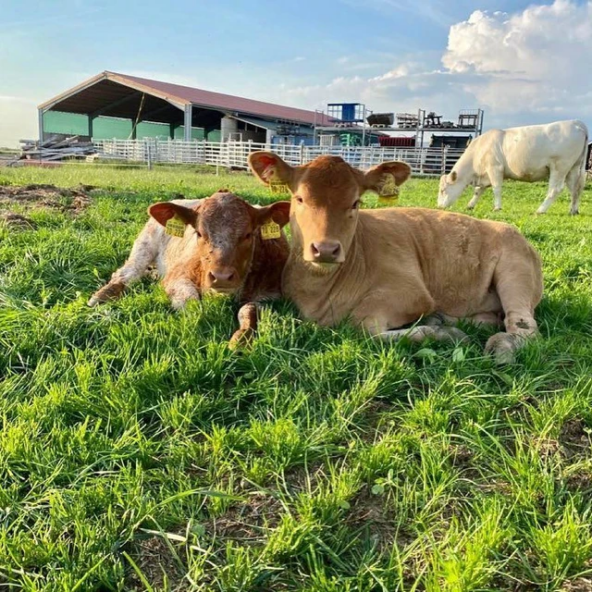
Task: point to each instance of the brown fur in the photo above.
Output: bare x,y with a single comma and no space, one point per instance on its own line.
390,267
222,250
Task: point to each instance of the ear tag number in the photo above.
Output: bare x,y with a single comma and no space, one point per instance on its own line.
270,230
388,191
275,185
175,226
276,188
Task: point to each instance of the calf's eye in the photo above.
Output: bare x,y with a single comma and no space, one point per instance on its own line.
248,236
199,235
299,199
356,204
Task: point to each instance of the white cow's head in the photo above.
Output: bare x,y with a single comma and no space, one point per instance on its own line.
450,189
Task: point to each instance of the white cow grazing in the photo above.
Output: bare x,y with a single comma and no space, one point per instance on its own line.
531,153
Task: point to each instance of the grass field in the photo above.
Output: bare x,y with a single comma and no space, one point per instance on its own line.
138,452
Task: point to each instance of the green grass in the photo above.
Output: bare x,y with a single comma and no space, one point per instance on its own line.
138,452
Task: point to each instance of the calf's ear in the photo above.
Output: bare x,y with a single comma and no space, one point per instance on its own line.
386,178
162,212
271,169
279,212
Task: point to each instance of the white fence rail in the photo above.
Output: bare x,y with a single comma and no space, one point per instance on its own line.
423,161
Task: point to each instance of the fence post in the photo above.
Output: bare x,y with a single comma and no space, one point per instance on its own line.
148,156
444,159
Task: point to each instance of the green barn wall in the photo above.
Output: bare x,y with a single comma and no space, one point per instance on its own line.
56,122
146,129
197,133
107,128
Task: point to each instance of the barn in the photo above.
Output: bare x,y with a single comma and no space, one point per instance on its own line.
112,105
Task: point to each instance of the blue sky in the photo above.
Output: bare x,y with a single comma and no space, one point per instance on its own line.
391,54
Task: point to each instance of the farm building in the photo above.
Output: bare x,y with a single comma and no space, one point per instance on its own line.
112,105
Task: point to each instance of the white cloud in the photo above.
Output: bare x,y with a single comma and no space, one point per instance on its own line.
526,67
535,60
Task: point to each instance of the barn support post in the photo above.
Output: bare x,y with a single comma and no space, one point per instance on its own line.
188,122
91,121
40,115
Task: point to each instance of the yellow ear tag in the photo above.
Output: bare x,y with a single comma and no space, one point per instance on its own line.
275,185
387,201
276,188
175,226
388,192
270,230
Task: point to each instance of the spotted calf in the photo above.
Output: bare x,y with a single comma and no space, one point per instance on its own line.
220,244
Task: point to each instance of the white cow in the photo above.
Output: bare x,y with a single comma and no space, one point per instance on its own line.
531,153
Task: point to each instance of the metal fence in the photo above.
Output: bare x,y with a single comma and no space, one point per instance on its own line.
423,161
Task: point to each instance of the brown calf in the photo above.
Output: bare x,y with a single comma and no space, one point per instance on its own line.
390,267
220,244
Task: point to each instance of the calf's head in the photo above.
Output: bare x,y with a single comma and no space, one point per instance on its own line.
326,196
222,231
450,189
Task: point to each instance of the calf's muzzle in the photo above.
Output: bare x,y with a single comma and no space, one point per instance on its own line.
225,278
326,252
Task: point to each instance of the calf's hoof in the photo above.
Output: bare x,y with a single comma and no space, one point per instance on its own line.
574,212
241,339
497,209
540,212
106,293
502,347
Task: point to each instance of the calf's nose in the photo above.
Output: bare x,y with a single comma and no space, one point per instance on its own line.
326,251
221,276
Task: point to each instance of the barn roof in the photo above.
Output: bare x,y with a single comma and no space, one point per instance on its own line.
111,88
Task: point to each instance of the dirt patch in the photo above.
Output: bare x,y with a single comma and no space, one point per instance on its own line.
575,438
580,481
578,585
155,560
16,221
247,523
36,196
370,512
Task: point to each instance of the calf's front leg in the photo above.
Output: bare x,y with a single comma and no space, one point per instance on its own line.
142,255
384,325
248,318
180,291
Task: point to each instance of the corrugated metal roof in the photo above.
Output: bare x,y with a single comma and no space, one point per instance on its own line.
179,95
265,124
